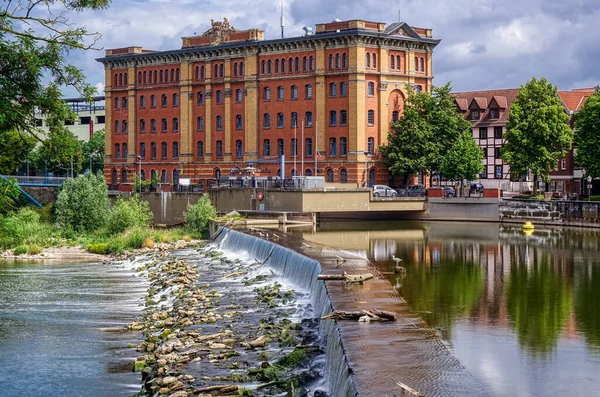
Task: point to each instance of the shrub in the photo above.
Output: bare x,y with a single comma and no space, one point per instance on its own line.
198,215
126,214
82,203
34,249
20,250
24,227
98,248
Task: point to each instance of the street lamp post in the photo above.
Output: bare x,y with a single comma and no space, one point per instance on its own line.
140,158
45,171
91,164
589,186
366,167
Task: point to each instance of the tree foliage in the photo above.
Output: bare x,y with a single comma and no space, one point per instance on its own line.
587,135
9,195
35,38
197,216
127,214
428,128
82,204
94,149
537,134
14,148
463,160
59,149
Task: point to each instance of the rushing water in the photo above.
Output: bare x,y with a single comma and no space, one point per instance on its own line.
61,329
521,313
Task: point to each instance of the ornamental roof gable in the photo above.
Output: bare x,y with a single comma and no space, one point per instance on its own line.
401,29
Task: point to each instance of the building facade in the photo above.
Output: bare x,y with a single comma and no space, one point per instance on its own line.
90,117
229,99
488,113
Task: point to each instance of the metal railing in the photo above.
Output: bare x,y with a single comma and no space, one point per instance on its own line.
37,180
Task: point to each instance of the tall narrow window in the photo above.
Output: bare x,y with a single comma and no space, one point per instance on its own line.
371,88
163,101
330,175
163,176
142,102
235,69
200,124
153,150
294,92
294,120
117,127
124,126
117,103
395,116
238,122
177,74
219,97
332,118
161,77
175,125
392,62
163,125
297,62
153,125
416,64
422,65
371,146
330,61
266,147
267,94
338,61
280,93
343,147
124,150
305,64
238,96
294,147
374,61
332,147
124,102
368,60
308,91
312,63
238,149
266,120
242,71
200,98
197,75
172,75
124,176
345,61
280,151
200,149
277,66
343,176
309,119
175,100
216,76
143,150
398,66
269,67
202,73
175,150
139,78
153,101
219,123
117,151
343,117
219,149
332,90
263,67
343,89
142,126
282,65
279,120
308,148
371,117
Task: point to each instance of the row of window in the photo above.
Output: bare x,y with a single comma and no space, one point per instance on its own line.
219,71
163,123
122,149
494,114
153,176
498,173
120,79
159,77
483,132
163,101
239,123
293,65
308,117
120,103
337,62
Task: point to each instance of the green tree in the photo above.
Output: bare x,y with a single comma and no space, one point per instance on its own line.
197,216
61,150
82,204
537,134
94,150
30,56
587,135
463,160
428,128
9,195
15,147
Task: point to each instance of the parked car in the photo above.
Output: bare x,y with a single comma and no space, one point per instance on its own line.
383,191
412,191
449,191
475,188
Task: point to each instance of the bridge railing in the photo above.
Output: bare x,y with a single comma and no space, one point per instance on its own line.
37,180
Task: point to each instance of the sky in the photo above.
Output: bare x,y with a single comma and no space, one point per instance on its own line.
485,44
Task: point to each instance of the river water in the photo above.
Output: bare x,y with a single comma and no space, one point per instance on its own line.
521,313
61,328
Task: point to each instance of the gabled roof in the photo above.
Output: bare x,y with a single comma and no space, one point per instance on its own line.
573,100
483,100
499,101
462,104
480,101
401,29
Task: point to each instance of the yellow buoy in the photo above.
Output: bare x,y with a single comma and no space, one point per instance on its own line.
528,226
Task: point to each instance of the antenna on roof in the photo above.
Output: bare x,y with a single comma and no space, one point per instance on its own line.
281,19
399,16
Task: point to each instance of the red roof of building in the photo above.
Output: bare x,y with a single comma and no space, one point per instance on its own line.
484,99
573,100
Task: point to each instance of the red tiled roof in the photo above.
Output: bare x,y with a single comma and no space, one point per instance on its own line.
462,104
573,100
504,98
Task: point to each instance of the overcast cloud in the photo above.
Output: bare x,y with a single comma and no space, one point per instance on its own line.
486,44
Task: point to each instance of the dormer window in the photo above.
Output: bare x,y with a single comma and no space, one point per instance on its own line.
494,114
474,114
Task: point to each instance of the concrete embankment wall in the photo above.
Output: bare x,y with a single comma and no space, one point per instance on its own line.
565,213
467,209
167,207
43,194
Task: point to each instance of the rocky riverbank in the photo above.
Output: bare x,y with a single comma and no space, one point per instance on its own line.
217,324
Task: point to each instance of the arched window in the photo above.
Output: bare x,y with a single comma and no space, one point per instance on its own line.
392,62
200,149
343,89
235,69
200,97
120,79
308,172
175,124
345,61
371,117
263,68
197,73
330,61
280,93
176,176
277,66
202,72
124,126
114,177
163,176
416,64
144,80
155,77
153,125
216,74
143,175
163,150
239,152
371,146
161,76
266,147
308,119
332,118
371,88
219,97
163,125
238,122
117,151
266,120
117,127
177,75
219,123
175,100
330,175
282,65
279,120
312,63
343,147
371,177
368,58
297,64
125,78
308,149
172,75
238,95
166,75
267,94
294,120
142,126
422,65
374,61
152,175
150,77
398,62
153,150
139,77
218,173
343,176
175,150
338,61
332,90
124,147
123,175
294,147
332,147
280,150
291,65
242,68
222,71
305,64
269,67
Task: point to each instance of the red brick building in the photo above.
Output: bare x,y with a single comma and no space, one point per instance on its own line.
488,113
228,99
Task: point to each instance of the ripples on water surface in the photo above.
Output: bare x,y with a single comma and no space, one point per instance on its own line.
521,313
59,329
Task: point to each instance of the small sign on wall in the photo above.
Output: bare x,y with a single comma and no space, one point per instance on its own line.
261,207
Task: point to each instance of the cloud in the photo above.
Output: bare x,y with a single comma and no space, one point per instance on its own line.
485,44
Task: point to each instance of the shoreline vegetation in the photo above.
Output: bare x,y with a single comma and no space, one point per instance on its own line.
82,224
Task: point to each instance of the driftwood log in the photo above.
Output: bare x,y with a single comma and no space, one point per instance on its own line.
349,278
362,315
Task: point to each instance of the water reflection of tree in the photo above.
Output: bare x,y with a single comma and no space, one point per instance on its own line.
587,310
538,301
443,293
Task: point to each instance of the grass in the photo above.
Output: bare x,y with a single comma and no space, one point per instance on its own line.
530,197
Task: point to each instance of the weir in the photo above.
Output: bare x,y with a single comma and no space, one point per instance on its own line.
362,359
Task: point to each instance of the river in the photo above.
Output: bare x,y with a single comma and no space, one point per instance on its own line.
61,328
520,312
